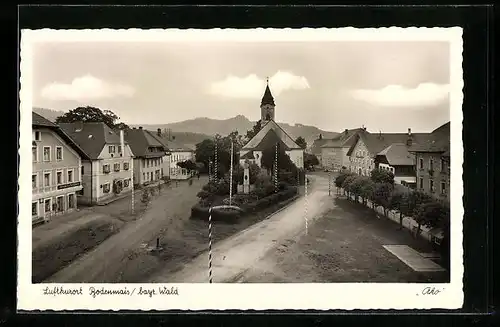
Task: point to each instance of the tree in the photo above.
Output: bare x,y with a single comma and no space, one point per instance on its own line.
382,176
188,165
367,190
430,214
301,142
310,160
346,185
339,180
382,195
252,132
204,151
398,202
91,114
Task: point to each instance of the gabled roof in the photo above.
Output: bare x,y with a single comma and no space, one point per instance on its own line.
141,141
270,140
397,155
267,98
40,121
376,142
91,136
345,139
280,133
171,145
439,141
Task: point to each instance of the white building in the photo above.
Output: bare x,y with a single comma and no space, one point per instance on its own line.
107,171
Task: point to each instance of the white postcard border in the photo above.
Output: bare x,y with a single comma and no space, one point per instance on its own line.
319,296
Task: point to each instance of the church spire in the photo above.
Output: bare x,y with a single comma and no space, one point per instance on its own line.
267,104
268,97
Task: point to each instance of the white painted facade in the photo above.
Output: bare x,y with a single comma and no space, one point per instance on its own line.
361,162
177,156
98,176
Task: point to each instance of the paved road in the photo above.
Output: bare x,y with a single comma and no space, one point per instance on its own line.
105,260
235,255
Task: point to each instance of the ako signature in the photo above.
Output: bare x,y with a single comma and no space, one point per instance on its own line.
431,291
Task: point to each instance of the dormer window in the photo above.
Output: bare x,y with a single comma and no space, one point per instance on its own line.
38,136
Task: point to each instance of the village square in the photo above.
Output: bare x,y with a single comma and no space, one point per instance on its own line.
119,204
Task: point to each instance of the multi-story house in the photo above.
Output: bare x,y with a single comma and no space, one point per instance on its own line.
180,153
149,154
433,164
165,160
107,171
316,148
396,159
368,146
177,153
334,152
56,177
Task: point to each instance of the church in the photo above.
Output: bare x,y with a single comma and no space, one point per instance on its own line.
270,134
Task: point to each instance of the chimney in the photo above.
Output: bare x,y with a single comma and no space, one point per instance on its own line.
140,127
158,132
409,131
320,137
379,134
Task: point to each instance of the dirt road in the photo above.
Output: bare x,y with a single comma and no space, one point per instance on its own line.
105,260
233,256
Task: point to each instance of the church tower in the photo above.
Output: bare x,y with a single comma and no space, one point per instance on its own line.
267,106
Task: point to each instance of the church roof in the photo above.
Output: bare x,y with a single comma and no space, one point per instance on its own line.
248,155
268,97
262,137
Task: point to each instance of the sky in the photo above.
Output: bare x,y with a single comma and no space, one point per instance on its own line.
384,86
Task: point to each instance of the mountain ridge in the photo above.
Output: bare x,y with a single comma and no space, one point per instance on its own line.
192,131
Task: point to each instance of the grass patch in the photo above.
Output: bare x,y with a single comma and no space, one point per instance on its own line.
52,257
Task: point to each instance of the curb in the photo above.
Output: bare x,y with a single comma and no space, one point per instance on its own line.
292,200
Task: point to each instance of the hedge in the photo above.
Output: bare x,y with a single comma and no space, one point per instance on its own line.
201,212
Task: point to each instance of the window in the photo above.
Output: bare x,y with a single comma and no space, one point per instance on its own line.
443,165
119,149
34,150
144,163
147,163
431,164
421,183
83,170
38,136
71,201
111,149
60,203
46,153
431,185
443,187
46,179
144,176
125,166
34,209
48,206
421,163
117,166
126,182
59,177
106,188
59,153
105,169
70,175
33,181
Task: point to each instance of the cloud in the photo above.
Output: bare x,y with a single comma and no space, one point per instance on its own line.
85,88
252,86
425,94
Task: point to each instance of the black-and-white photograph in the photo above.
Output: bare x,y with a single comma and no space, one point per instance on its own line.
197,161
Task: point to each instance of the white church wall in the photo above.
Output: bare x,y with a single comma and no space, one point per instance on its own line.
297,157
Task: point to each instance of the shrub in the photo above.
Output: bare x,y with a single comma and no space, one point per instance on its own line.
227,216
431,214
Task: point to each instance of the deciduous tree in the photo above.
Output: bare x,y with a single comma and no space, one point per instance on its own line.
301,142
91,114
